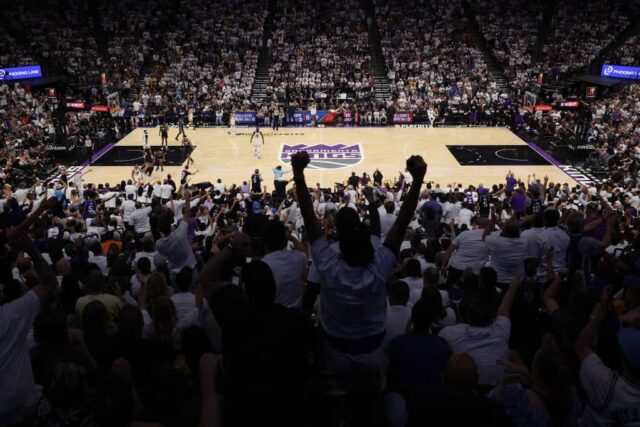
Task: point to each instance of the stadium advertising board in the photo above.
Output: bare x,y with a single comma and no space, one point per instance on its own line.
245,117
76,105
302,117
101,108
621,72
20,73
326,117
569,104
403,117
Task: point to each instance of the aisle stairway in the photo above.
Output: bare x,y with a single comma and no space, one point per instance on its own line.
487,55
259,89
378,64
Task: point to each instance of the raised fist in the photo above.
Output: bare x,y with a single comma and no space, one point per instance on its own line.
299,161
416,167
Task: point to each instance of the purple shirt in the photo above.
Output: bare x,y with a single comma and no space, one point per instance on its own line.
517,202
511,183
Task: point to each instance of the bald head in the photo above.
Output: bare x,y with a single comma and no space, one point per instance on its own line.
461,372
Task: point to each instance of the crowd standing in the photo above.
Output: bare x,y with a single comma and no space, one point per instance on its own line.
381,301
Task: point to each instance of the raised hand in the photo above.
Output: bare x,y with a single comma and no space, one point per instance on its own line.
299,161
416,167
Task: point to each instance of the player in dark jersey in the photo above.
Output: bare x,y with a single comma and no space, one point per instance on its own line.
158,160
164,136
188,148
184,178
181,129
256,180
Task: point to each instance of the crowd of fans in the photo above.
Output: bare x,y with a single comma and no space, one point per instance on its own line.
382,301
319,53
390,301
511,31
614,130
579,31
626,54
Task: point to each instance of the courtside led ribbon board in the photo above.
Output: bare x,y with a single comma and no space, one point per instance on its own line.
246,117
404,117
621,72
19,73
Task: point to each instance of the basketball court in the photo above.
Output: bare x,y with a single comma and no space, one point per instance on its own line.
454,155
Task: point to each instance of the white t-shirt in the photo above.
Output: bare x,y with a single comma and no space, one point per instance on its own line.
416,285
165,191
111,198
611,399
486,345
507,255
530,237
128,207
471,251
219,186
131,189
386,222
287,268
558,239
397,318
18,394
139,219
464,217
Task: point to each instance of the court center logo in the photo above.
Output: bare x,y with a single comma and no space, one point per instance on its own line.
325,156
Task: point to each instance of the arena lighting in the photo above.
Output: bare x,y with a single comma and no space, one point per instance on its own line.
620,72
20,73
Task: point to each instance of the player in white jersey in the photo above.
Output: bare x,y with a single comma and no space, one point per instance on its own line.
232,123
257,140
145,140
432,116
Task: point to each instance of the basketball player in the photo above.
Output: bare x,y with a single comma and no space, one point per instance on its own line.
276,119
145,140
164,135
184,179
148,167
256,181
190,118
188,147
257,139
181,128
232,123
431,114
158,160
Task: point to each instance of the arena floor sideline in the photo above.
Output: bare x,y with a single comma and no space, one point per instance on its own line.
460,155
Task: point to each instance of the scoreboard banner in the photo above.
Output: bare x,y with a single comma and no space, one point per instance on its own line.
403,117
245,117
621,72
20,73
